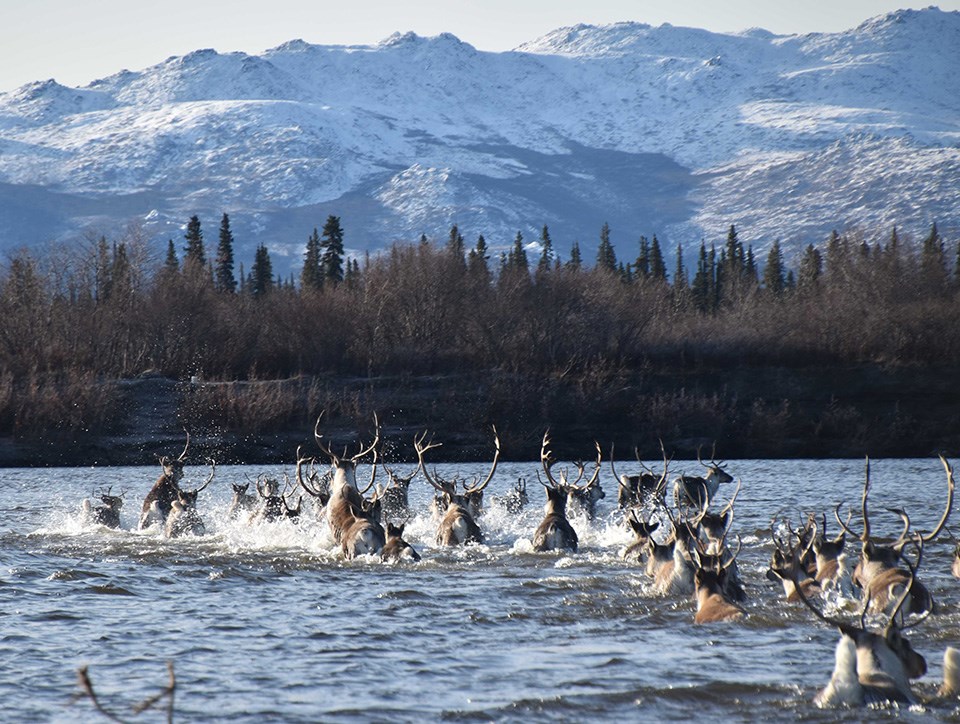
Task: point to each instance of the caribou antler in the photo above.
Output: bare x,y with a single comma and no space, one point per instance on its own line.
183,455
421,448
493,468
213,470
596,471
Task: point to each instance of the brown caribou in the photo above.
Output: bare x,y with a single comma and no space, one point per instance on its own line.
396,549
554,532
108,513
457,523
346,504
642,489
184,518
714,602
157,504
696,492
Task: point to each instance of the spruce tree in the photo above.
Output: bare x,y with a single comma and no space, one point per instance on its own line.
606,256
811,267
311,276
223,273
750,271
332,260
700,289
773,273
643,259
102,282
195,256
576,261
455,245
680,274
658,269
933,262
546,251
518,256
261,274
171,265
836,261
477,260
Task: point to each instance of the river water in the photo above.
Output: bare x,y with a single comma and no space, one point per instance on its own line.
266,622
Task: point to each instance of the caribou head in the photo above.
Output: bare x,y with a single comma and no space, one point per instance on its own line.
242,501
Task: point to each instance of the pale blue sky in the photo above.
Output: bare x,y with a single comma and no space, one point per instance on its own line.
77,42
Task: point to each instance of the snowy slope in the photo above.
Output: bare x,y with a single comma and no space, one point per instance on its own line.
673,131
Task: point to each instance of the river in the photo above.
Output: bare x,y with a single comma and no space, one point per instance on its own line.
266,622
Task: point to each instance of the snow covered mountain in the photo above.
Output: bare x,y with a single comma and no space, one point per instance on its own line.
663,130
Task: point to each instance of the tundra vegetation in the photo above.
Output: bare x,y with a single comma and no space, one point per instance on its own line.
851,349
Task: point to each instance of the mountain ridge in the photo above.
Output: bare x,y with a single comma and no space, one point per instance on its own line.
664,130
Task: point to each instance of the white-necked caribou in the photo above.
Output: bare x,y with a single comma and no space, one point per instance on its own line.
458,525
353,520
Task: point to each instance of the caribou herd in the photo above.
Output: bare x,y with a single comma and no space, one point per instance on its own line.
685,548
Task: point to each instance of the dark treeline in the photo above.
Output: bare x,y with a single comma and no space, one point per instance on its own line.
533,326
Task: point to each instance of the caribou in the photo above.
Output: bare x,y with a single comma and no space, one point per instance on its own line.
184,518
554,532
315,485
642,532
643,489
157,504
346,505
670,564
878,573
275,506
871,667
395,497
828,553
458,525
396,549
364,535
107,514
242,501
787,566
517,499
712,587
697,492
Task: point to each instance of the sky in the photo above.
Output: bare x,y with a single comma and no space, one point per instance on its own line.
78,42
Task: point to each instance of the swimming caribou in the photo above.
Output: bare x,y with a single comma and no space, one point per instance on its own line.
458,525
554,532
157,504
354,521
878,573
871,667
108,513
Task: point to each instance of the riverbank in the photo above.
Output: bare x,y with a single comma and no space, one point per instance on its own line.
755,412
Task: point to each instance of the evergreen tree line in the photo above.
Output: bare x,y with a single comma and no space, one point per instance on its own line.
110,310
